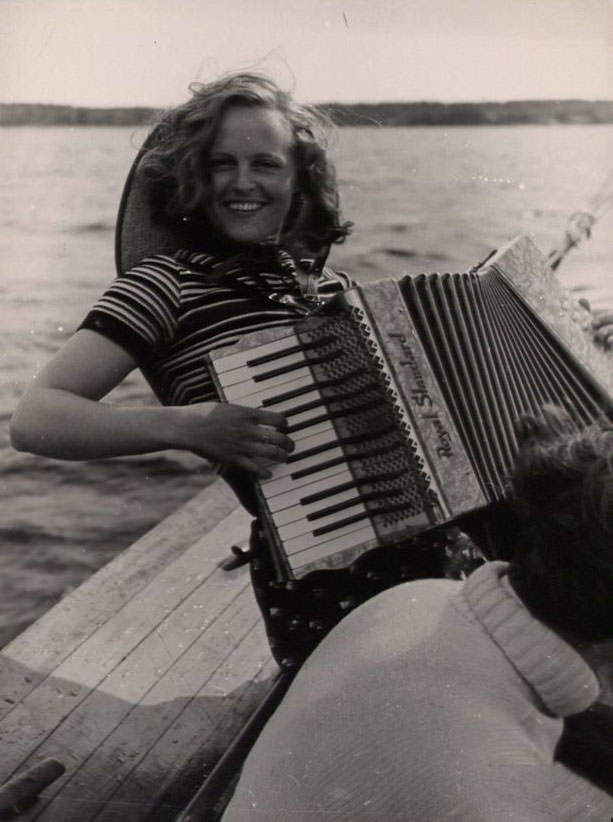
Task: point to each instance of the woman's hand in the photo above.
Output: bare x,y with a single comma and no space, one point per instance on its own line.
251,439
602,325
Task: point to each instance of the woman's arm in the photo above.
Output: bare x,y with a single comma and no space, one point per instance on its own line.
60,416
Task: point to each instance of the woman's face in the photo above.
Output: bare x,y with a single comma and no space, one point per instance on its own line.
251,174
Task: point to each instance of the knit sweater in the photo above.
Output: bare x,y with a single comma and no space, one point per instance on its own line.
434,701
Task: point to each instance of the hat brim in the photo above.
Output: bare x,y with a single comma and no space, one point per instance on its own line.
137,235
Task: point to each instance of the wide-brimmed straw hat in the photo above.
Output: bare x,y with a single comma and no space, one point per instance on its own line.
137,234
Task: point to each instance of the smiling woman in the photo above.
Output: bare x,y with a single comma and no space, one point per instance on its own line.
240,175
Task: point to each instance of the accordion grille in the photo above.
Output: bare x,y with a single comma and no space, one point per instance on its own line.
358,396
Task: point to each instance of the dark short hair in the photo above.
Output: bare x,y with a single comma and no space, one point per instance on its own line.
177,165
562,487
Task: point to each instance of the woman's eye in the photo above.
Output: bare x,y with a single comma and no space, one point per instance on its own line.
266,163
220,163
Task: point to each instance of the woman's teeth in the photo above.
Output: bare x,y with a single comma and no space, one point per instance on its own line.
244,206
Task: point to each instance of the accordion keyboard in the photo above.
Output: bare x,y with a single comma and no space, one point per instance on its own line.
355,477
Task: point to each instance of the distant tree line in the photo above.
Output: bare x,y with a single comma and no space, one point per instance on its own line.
40,114
472,114
356,114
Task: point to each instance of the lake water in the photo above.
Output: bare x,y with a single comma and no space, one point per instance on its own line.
422,199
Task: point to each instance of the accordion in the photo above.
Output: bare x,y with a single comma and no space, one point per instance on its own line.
401,400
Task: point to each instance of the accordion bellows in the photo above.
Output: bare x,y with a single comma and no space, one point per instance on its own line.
402,401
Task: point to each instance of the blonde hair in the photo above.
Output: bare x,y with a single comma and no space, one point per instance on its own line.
177,163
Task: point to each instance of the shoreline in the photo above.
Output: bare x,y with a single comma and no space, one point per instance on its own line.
423,113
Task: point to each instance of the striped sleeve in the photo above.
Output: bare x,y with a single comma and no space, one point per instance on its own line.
139,309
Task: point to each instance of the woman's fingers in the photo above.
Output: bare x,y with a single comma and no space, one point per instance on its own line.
269,418
604,336
271,436
263,447
602,326
602,323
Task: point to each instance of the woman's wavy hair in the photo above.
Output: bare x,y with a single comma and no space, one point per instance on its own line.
176,165
562,487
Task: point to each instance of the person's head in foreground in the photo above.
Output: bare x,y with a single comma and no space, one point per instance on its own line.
563,491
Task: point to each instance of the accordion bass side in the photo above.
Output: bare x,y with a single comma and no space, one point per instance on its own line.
402,401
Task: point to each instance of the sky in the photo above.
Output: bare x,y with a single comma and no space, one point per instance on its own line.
146,52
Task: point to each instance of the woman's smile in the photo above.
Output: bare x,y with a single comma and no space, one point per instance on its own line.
244,206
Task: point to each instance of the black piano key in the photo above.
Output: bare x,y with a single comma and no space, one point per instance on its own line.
304,472
293,349
372,496
341,413
346,486
294,366
305,406
333,526
376,452
338,442
333,382
311,452
345,396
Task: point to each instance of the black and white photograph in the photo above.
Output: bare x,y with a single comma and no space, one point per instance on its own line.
306,411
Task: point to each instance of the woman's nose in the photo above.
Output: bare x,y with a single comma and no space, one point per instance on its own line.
243,178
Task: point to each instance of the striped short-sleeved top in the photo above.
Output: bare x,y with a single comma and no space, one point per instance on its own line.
171,310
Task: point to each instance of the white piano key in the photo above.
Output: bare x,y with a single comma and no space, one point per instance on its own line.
258,391
227,362
304,433
324,436
303,527
283,406
248,372
298,512
328,544
290,496
279,481
286,469
321,551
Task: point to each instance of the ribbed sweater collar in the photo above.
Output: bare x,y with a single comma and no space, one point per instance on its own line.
560,676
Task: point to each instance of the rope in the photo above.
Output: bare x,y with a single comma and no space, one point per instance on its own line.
581,222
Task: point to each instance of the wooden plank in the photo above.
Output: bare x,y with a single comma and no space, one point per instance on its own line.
135,680
181,757
25,728
184,721
28,659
